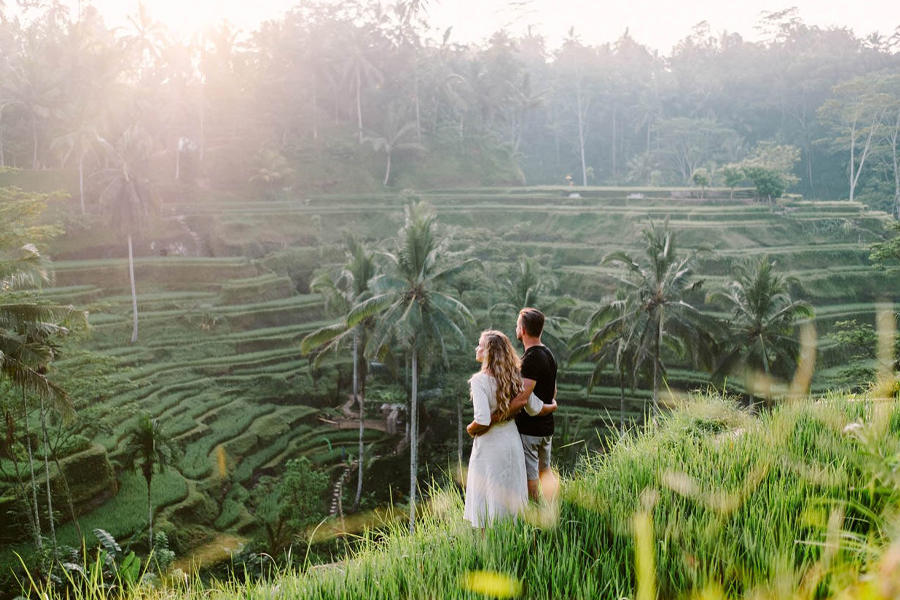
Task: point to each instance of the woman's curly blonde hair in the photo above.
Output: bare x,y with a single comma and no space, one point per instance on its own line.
501,362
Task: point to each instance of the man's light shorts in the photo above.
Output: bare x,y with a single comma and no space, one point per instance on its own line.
537,454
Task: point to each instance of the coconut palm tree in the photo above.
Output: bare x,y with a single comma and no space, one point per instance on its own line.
761,323
610,338
150,446
27,332
415,312
341,294
35,86
655,290
530,285
393,140
127,195
358,68
77,141
146,39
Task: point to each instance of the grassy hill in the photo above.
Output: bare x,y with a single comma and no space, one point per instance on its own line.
224,299
711,502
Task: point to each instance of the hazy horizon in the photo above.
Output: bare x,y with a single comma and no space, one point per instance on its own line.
654,23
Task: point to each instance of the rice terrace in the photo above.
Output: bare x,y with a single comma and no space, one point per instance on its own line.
243,277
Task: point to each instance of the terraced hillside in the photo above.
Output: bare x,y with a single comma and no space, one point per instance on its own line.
224,300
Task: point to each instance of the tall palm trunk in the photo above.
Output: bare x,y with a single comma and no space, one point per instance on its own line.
648,136
765,356
416,94
178,160
315,103
360,401
581,125
459,430
134,331
68,491
47,473
148,475
202,123
621,400
387,173
23,489
656,362
359,106
613,148
81,180
413,440
37,518
34,158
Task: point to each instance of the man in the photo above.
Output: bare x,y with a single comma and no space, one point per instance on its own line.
539,376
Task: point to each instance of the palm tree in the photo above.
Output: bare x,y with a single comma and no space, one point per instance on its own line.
27,331
35,87
610,337
761,326
414,310
78,141
147,38
341,294
359,68
531,285
128,195
393,140
149,445
524,100
655,291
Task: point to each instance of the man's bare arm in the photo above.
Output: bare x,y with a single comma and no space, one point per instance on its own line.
548,408
519,401
475,429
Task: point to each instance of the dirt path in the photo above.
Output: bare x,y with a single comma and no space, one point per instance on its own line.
210,553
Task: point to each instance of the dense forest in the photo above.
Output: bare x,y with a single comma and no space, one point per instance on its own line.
350,95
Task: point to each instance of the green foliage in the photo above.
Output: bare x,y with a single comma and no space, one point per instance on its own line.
654,311
761,321
857,345
769,182
732,176
252,375
162,557
23,220
701,178
272,171
302,489
286,507
150,446
887,253
740,504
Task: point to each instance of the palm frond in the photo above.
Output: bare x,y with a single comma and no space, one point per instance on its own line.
322,337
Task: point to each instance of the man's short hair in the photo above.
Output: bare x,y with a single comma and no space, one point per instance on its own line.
532,321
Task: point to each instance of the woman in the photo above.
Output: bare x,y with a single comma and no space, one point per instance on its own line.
496,485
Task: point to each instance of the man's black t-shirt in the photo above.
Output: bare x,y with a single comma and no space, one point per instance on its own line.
539,365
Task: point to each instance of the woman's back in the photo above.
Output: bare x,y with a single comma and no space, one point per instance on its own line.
496,484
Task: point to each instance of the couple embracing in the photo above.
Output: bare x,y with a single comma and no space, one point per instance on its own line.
511,448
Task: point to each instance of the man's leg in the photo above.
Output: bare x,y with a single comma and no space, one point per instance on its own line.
530,446
546,483
534,490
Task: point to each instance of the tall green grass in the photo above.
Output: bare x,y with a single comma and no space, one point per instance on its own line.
797,503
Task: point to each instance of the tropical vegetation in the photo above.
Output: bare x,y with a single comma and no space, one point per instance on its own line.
320,217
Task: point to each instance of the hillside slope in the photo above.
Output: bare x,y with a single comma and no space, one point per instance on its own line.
223,285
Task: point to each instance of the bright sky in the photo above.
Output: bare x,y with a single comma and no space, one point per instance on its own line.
656,23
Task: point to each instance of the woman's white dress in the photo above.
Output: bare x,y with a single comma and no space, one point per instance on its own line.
496,485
